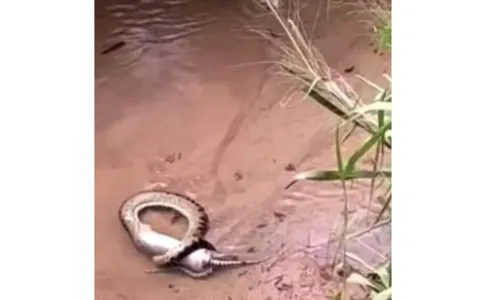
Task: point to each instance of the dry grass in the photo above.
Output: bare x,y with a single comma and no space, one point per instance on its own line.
305,65
376,14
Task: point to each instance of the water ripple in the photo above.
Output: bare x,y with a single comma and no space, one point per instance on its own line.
138,27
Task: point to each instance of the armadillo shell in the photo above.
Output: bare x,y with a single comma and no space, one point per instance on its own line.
201,244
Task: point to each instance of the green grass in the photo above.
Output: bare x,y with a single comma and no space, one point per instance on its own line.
377,15
382,25
304,64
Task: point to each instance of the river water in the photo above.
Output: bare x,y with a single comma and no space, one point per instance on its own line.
185,94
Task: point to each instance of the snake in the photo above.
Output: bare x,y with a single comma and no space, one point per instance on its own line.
157,196
202,261
193,254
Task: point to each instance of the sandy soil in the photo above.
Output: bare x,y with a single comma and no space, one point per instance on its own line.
201,116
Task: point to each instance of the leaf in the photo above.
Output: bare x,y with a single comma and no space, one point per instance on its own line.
383,295
383,274
339,296
338,151
332,175
349,133
357,259
312,87
327,104
370,83
379,106
381,113
366,147
385,207
357,278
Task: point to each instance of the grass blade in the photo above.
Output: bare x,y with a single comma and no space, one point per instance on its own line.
357,278
333,175
383,295
383,210
338,152
353,160
379,106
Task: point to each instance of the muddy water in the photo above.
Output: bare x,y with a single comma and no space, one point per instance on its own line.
184,96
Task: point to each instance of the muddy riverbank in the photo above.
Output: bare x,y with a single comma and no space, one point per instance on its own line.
188,100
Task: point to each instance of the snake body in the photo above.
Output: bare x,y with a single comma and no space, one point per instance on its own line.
193,254
159,197
200,262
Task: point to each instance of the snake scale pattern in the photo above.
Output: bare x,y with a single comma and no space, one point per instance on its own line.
193,255
159,197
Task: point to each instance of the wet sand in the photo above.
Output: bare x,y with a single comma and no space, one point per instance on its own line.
200,114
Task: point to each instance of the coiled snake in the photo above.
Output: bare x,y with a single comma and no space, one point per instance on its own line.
193,255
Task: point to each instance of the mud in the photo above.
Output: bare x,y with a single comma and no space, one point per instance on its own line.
185,100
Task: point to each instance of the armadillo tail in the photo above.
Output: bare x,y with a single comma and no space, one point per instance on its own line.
220,259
